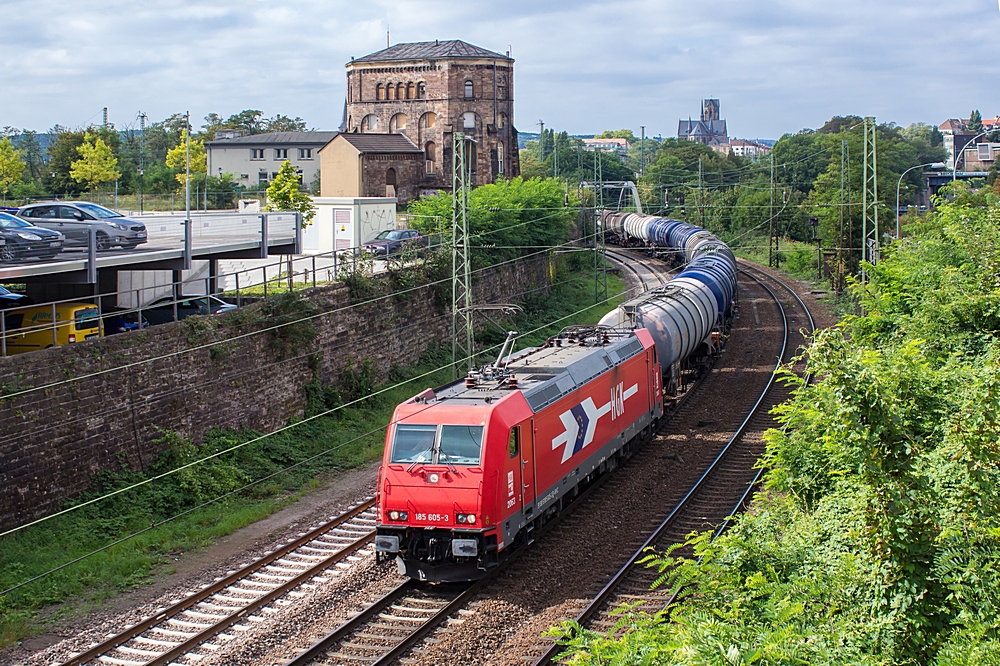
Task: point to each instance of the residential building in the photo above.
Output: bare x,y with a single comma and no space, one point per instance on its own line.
956,135
620,146
749,149
424,92
710,130
254,159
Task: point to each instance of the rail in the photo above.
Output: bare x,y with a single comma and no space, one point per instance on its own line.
177,648
606,592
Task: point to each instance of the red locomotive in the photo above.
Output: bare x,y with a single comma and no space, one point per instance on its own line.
472,469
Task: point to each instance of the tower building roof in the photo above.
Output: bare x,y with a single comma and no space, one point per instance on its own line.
436,50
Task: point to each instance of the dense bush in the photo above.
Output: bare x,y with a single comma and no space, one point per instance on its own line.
877,540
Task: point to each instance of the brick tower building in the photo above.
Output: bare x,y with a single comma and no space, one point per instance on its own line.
425,91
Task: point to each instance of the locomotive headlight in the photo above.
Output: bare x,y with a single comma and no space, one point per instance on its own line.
465,518
394,515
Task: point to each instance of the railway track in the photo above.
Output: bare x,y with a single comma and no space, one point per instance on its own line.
649,274
730,478
188,625
394,625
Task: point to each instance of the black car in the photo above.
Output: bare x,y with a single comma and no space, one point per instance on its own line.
19,238
10,299
161,310
75,219
389,242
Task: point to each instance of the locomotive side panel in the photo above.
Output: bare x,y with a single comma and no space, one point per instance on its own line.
583,429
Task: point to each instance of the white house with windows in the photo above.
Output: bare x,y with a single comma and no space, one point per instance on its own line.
255,159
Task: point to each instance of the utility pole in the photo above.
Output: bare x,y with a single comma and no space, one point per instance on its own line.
869,198
541,139
642,150
142,156
700,221
555,157
772,240
187,167
462,342
843,201
600,249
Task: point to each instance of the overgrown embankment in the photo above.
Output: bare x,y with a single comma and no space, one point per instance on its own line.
878,536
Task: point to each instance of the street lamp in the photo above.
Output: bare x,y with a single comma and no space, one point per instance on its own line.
932,165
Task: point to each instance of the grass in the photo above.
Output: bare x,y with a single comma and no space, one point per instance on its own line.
352,435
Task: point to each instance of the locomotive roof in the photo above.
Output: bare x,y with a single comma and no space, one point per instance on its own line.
545,374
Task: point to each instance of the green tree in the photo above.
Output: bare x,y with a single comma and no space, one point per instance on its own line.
283,194
11,165
617,134
975,122
27,144
249,120
62,153
177,159
282,123
97,164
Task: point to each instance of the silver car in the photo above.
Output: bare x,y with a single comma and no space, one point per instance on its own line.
75,219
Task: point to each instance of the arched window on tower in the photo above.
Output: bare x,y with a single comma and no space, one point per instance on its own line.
379,92
390,91
469,91
500,158
369,123
502,120
469,120
397,123
421,90
428,120
429,156
400,91
410,91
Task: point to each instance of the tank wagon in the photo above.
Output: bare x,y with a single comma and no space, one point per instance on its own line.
471,470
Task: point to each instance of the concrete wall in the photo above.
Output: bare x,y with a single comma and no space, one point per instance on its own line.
340,170
53,440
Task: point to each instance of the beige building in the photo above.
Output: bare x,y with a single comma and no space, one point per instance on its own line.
371,165
254,159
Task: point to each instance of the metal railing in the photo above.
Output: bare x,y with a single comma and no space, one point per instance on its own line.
236,287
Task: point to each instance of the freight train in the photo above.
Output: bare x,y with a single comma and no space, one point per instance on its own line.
473,469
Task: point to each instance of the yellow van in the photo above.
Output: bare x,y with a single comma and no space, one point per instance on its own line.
30,328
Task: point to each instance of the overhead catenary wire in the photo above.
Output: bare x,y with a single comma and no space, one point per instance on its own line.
233,376
215,343
260,438
270,434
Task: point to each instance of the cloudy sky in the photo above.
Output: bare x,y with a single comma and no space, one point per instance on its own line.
777,65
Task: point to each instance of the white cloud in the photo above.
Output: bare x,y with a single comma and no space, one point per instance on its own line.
777,65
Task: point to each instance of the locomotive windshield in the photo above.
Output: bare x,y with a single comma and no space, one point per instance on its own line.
413,443
445,445
460,445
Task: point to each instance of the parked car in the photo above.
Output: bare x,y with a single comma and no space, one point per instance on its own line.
30,328
161,310
75,219
19,238
120,320
10,299
389,242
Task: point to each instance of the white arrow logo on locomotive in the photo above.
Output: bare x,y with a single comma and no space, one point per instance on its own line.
581,421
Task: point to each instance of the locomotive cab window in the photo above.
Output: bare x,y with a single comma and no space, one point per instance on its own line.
513,443
413,443
460,445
